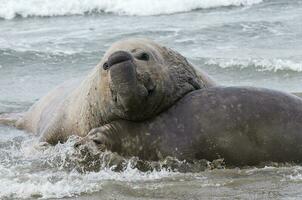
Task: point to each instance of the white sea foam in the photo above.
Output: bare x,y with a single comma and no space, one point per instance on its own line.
58,184
11,8
293,177
259,64
27,172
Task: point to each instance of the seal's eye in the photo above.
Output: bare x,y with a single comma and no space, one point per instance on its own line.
143,56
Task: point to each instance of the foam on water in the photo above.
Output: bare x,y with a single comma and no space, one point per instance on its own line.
27,171
273,65
11,8
58,184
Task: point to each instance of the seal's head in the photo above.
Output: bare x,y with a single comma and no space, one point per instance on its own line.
139,79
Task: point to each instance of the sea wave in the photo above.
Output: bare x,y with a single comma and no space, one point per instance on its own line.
258,64
9,9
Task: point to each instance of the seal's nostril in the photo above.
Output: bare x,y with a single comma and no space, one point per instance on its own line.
105,66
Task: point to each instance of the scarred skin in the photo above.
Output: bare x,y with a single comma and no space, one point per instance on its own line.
243,125
149,81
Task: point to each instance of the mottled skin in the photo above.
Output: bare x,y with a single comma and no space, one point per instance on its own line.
243,125
151,80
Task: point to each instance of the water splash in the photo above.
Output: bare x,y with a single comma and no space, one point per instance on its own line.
31,170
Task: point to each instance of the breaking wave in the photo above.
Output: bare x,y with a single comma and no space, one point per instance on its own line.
273,65
46,8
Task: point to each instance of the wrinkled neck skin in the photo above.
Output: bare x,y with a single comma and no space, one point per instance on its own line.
183,79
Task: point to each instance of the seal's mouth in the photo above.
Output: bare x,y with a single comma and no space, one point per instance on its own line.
130,90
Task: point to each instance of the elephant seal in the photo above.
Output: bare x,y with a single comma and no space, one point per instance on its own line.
136,80
243,125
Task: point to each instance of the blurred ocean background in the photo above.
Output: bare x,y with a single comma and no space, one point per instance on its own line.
237,42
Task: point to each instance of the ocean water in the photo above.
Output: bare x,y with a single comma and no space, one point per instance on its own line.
45,42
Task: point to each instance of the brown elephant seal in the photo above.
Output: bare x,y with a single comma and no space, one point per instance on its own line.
136,80
243,125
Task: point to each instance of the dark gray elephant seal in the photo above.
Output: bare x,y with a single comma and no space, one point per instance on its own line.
243,125
136,80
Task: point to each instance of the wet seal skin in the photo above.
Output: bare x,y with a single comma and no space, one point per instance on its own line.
136,80
242,125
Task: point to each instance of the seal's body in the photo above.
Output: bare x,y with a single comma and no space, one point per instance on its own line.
243,125
137,79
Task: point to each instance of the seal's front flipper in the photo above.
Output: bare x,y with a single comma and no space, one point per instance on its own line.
10,119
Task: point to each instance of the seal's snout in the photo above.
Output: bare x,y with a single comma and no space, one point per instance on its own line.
116,58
